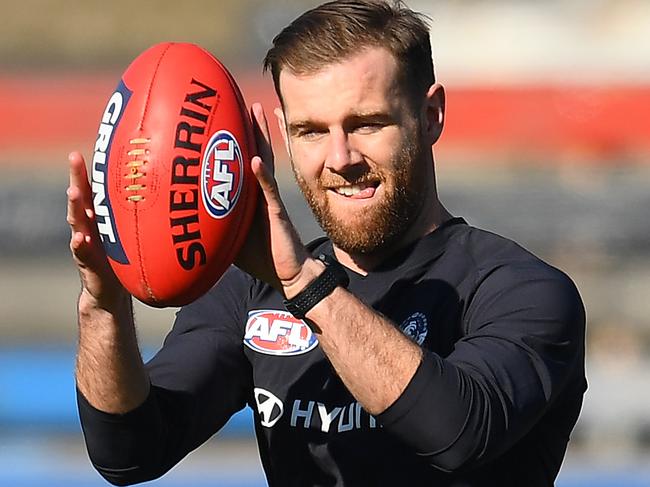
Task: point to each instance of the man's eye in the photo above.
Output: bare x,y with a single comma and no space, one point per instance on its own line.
368,127
310,133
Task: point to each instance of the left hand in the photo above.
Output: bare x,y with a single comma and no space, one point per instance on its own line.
273,251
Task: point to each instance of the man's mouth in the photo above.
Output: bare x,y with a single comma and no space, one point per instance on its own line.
357,191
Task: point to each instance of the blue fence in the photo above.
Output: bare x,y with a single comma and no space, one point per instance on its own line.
37,392
37,395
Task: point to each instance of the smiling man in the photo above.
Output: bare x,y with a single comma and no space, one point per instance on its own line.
360,159
405,348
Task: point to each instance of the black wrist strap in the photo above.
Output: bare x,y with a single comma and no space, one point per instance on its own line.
333,276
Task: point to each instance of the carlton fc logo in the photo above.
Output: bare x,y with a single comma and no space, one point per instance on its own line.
274,332
416,327
221,174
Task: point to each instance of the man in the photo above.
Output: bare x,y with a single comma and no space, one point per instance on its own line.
436,353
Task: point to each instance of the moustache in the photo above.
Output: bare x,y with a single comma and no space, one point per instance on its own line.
338,180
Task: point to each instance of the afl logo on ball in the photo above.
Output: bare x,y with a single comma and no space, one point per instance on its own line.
221,174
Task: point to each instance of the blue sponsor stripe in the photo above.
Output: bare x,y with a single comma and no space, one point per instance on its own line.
114,250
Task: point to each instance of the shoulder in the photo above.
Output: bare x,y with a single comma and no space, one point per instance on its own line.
320,244
234,284
227,297
510,281
495,257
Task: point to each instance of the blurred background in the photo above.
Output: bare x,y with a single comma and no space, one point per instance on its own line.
547,142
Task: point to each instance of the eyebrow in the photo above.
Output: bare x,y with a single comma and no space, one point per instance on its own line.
369,117
300,125
350,121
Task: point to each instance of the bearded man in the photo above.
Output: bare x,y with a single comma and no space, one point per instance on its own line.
405,348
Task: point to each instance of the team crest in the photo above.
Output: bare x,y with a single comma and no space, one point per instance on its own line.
221,174
416,327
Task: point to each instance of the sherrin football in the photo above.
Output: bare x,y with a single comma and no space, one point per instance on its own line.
173,191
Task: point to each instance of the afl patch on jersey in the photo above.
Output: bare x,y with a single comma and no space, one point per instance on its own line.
275,332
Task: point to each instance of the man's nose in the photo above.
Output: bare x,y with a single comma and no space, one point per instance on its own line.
341,154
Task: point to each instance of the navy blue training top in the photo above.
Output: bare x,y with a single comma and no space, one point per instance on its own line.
492,404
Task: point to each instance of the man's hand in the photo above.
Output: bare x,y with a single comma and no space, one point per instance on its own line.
273,251
100,287
109,371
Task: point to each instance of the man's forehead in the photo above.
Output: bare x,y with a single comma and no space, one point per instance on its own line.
368,56
366,75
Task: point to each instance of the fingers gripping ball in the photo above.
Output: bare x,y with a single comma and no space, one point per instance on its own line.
173,191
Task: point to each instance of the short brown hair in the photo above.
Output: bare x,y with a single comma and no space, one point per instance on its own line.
341,28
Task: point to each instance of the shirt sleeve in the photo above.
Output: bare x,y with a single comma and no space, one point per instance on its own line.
199,378
523,348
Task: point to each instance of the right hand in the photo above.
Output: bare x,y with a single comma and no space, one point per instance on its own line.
273,251
100,287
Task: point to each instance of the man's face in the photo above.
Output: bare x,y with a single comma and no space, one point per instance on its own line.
357,150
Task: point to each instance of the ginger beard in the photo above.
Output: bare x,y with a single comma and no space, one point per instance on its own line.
385,221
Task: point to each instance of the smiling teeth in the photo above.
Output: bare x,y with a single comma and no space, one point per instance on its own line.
350,190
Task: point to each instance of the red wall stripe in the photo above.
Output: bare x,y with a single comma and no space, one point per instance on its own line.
41,112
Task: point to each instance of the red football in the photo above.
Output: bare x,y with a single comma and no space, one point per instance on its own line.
173,191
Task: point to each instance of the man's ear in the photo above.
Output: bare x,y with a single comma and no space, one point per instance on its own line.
435,112
282,125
